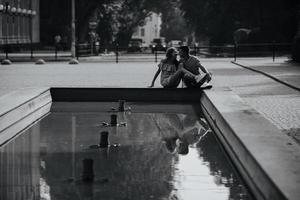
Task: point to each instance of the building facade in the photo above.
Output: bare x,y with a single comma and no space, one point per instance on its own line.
19,21
150,30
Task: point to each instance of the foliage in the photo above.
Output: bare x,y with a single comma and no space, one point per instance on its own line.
116,19
218,19
121,18
296,41
173,26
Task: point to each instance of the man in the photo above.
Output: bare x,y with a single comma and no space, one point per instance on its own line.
192,64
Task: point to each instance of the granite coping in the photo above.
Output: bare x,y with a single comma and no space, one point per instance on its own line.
268,159
21,108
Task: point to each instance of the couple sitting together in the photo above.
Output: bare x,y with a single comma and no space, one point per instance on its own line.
187,69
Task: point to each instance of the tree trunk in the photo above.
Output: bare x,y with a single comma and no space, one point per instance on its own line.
296,42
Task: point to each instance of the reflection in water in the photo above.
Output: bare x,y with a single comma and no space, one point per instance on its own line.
19,167
161,156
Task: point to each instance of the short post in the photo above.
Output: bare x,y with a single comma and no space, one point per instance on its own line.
6,51
195,49
87,170
104,142
273,50
121,105
234,53
155,53
31,49
77,51
56,51
117,53
113,120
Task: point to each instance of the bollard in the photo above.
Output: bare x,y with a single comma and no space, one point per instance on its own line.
104,142
273,51
234,54
121,105
113,120
40,62
55,53
117,53
87,170
155,51
31,49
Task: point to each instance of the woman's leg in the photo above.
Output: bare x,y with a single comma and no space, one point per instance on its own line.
174,80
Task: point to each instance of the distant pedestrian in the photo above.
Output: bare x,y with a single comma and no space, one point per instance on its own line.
172,73
192,64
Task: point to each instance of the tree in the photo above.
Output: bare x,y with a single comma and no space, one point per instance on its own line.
296,40
117,19
218,19
173,26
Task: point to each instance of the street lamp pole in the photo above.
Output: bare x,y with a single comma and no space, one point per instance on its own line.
73,36
6,61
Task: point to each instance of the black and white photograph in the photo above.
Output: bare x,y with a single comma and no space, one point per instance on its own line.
149,100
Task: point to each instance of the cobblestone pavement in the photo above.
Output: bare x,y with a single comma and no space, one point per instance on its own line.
281,110
275,101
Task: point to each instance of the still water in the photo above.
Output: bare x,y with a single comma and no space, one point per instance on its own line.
155,152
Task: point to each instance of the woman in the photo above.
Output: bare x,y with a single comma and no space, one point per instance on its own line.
168,67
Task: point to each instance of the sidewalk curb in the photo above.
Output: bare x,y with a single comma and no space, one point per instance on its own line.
268,75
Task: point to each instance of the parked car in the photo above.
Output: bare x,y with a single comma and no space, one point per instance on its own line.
174,43
159,44
135,45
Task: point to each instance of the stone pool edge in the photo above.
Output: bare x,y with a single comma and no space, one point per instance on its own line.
21,108
267,159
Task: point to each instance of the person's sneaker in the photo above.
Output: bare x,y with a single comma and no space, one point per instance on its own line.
209,79
200,79
206,86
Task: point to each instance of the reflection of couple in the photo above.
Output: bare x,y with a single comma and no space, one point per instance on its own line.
179,131
187,70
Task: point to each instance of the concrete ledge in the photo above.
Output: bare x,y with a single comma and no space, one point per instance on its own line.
129,94
268,160
17,106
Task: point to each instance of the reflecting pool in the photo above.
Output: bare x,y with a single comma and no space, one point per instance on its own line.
161,152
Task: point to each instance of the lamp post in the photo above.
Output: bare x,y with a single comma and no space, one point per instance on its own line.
29,12
6,61
73,37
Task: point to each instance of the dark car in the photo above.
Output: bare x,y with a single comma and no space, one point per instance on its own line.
135,45
159,44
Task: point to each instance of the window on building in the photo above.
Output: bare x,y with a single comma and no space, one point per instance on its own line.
142,32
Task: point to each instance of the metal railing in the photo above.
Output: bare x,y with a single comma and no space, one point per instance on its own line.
116,53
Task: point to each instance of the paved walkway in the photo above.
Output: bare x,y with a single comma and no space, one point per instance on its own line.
274,100
272,88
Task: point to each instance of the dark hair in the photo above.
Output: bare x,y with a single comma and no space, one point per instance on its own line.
169,52
185,49
170,144
183,148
